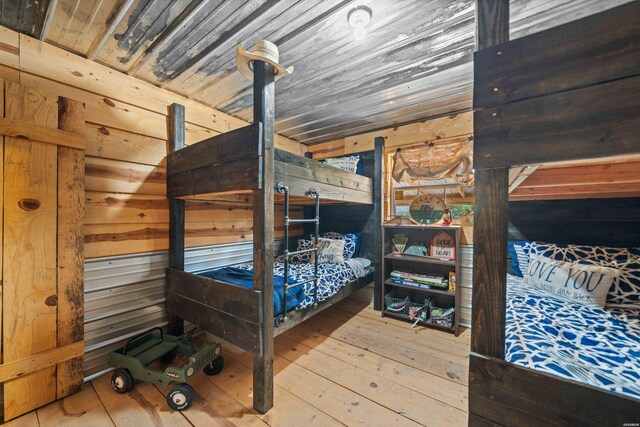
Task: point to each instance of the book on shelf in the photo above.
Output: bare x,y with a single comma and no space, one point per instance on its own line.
420,279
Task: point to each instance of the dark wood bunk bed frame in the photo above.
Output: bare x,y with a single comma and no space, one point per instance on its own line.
246,161
567,93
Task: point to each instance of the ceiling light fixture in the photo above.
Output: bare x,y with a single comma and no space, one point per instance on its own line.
358,18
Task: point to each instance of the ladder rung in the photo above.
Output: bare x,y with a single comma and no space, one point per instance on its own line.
302,283
299,221
301,251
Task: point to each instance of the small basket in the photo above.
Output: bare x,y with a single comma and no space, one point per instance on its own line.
407,308
396,305
444,320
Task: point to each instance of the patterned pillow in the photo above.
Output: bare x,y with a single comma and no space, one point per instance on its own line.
300,258
625,292
519,253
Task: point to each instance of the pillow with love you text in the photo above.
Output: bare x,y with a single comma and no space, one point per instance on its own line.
585,284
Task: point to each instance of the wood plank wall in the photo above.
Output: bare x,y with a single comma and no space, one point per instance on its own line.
126,205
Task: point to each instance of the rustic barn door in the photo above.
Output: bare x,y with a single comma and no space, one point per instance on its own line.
42,262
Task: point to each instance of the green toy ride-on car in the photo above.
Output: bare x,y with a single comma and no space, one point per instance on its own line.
132,360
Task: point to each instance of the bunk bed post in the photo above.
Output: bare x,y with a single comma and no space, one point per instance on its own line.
378,207
491,228
263,235
175,131
491,223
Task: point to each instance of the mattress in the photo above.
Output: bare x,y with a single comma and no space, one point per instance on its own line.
599,347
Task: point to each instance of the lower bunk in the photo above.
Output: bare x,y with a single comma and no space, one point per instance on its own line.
224,303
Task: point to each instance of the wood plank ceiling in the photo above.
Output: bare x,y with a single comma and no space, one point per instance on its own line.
415,63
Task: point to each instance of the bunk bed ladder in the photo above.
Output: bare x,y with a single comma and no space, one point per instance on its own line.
282,188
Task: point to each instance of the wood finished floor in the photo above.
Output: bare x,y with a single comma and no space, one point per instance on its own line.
345,366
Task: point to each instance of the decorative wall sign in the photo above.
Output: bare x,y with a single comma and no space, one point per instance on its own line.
443,245
427,209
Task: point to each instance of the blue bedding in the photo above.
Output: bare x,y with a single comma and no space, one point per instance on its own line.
331,278
599,347
243,277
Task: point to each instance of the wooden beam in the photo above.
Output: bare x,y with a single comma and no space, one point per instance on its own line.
603,47
490,262
616,173
378,208
231,146
34,132
234,300
46,359
590,122
71,213
176,133
512,395
492,23
29,247
491,215
575,191
264,112
518,175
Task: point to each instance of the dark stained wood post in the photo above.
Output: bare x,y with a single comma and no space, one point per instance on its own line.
378,161
175,131
263,235
491,215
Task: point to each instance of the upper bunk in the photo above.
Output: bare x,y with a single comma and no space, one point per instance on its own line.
231,162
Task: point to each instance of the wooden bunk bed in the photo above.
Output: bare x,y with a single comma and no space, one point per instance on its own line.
565,94
246,161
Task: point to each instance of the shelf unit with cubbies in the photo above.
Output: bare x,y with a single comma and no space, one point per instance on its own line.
414,264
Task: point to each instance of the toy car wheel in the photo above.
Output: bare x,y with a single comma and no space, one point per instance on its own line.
121,380
180,397
167,358
215,367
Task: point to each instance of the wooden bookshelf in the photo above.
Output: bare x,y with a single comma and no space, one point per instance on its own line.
443,298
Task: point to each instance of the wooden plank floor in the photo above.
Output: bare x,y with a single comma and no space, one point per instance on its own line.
345,366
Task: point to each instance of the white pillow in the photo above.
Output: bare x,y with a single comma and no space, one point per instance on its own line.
585,284
330,251
349,164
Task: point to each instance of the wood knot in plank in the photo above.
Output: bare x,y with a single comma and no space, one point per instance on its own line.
51,301
29,204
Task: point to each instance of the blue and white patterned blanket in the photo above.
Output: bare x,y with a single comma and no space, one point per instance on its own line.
599,347
331,277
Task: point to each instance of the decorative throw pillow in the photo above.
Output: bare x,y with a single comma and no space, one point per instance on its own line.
349,164
351,242
584,284
330,251
625,292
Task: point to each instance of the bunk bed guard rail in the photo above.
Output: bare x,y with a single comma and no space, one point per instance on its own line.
281,187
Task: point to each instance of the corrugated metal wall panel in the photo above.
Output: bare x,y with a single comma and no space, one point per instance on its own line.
466,283
125,295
